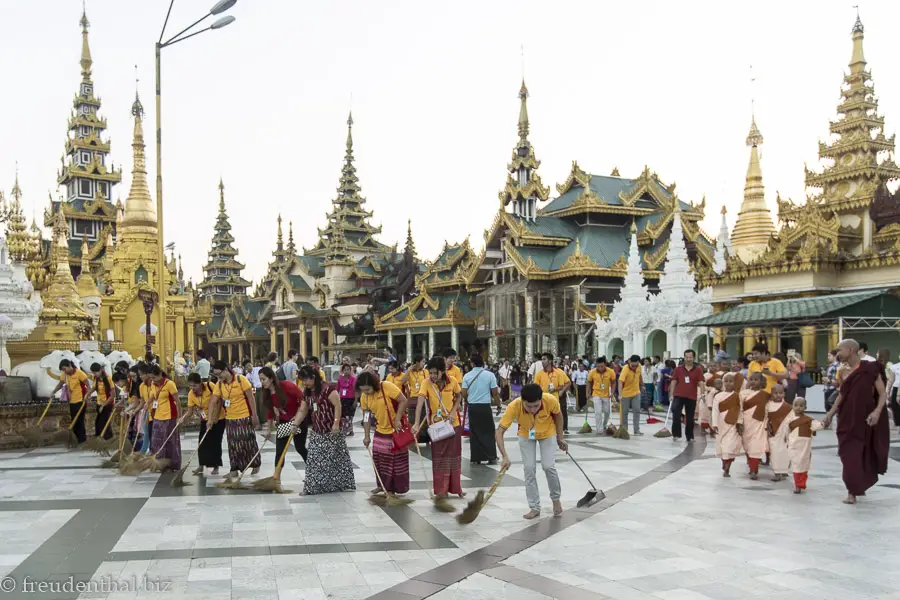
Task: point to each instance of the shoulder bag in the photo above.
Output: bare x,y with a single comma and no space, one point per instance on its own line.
441,429
404,437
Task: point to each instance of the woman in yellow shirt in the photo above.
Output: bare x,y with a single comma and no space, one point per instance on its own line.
387,405
235,394
440,394
147,393
209,453
165,442
106,399
75,388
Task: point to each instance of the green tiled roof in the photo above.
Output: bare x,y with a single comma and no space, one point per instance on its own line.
870,303
313,263
298,283
608,188
306,307
550,226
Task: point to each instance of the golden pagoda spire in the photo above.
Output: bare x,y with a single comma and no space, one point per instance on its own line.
280,242
17,238
86,284
62,303
523,113
86,61
754,222
140,210
291,248
857,59
221,195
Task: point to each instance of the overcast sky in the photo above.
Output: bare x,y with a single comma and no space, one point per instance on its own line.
263,102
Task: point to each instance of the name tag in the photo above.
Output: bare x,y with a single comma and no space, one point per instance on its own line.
203,414
551,388
531,434
315,407
227,403
687,379
155,404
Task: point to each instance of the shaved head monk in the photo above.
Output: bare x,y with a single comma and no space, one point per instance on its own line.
862,430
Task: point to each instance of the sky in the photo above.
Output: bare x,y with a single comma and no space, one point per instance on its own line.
433,88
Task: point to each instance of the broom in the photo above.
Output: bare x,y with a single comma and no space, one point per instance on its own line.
471,512
235,484
97,443
33,435
127,460
586,428
441,504
273,483
178,480
152,463
67,436
389,499
622,432
664,432
123,436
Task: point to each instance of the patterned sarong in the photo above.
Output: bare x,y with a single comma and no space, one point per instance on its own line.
393,468
446,456
172,449
242,444
328,466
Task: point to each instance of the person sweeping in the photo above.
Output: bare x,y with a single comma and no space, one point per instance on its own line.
77,388
234,393
282,401
387,404
106,396
540,424
165,443
209,453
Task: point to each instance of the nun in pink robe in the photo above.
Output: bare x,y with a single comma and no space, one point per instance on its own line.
726,421
801,430
754,437
779,414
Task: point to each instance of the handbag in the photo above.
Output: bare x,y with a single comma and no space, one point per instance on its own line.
404,437
804,380
439,430
284,429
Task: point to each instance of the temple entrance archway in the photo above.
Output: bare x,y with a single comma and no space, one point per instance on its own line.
701,346
657,343
614,347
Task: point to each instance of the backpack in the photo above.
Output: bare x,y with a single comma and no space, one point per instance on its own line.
280,374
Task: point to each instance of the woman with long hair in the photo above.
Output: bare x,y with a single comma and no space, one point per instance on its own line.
282,401
166,408
346,385
328,466
387,404
147,392
209,453
235,394
106,398
440,395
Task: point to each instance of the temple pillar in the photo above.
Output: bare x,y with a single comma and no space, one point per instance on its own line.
772,340
252,354
749,340
409,345
192,342
273,338
720,336
286,341
529,326
241,353
228,348
517,324
304,351
390,338
579,344
454,337
808,336
554,340
431,341
317,339
493,349
179,333
833,337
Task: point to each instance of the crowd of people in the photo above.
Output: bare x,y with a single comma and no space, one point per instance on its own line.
754,406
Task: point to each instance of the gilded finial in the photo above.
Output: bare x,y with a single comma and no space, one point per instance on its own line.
221,195
633,227
857,26
523,112
724,210
754,138
17,191
350,131
291,246
86,61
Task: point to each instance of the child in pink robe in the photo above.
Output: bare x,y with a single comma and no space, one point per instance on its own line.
713,386
753,412
779,414
802,428
726,421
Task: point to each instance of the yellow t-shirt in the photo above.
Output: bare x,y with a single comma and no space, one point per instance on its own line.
601,383
395,379
103,395
202,402
542,421
773,364
415,380
168,394
430,390
455,373
74,382
631,382
233,395
148,395
557,377
376,403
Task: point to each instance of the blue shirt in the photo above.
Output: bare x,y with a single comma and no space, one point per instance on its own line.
479,383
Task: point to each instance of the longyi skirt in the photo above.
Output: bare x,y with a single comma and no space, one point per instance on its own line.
242,446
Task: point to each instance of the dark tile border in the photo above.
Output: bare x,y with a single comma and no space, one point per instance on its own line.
238,551
491,556
540,584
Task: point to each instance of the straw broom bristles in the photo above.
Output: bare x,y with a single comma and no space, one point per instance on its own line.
389,498
113,461
152,463
273,483
67,436
471,512
235,484
664,432
34,437
178,480
97,443
622,432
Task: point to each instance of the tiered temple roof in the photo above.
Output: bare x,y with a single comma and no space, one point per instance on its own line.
222,272
87,173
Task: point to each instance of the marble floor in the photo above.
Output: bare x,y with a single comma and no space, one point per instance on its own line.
671,528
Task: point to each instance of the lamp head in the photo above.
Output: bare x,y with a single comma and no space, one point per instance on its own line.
222,22
221,6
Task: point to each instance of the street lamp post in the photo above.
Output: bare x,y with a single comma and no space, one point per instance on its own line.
162,291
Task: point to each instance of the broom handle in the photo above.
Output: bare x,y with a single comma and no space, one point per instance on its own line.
377,474
582,470
281,458
244,472
668,412
422,458
44,414
77,415
200,443
109,420
166,441
494,486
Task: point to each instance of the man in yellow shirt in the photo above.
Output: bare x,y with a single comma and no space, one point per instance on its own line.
601,380
772,369
540,424
77,388
450,359
554,381
630,392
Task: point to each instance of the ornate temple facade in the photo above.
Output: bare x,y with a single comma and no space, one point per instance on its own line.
321,301
222,272
87,174
546,273
844,238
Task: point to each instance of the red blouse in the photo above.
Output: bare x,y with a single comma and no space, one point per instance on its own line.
294,398
322,411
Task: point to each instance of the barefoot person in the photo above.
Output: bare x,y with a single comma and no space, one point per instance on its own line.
779,417
440,396
801,429
209,454
862,429
235,394
601,381
726,421
754,418
540,424
387,404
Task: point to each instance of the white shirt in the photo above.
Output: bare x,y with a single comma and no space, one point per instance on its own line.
868,358
504,372
254,377
533,369
580,377
895,369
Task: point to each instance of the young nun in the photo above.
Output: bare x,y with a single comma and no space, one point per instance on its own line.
209,453
726,421
779,416
235,394
713,387
753,413
800,432
165,442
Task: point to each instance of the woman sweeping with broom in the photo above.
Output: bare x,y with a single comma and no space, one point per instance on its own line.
235,394
282,399
209,452
328,466
165,443
387,404
106,395
440,395
76,388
